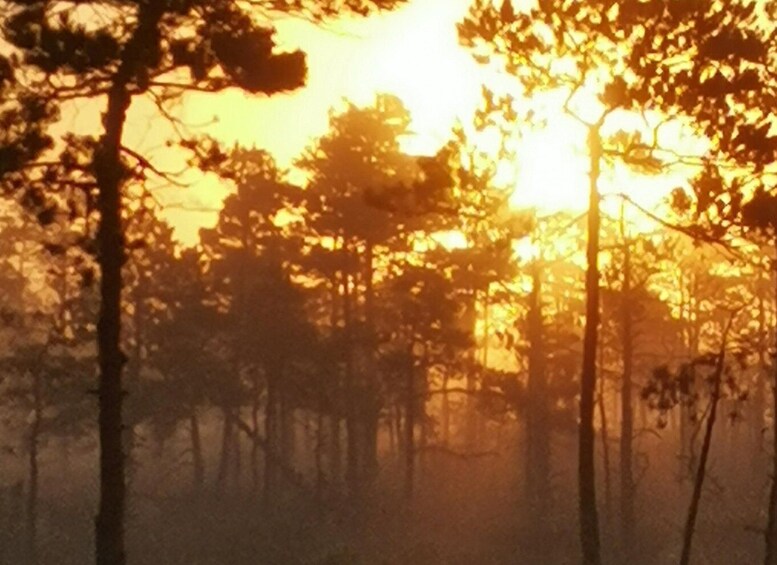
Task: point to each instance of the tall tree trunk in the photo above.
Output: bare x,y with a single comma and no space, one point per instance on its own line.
335,451
771,526
32,491
694,330
480,420
371,405
445,410
398,428
109,174
237,452
352,475
109,524
335,389
410,419
627,414
226,449
392,438
701,470
271,432
589,519
605,439
198,463
685,423
758,422
288,430
537,431
319,448
254,445
472,415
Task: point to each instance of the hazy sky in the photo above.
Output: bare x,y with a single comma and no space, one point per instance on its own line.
412,52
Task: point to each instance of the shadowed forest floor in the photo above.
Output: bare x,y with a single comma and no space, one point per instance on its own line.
465,512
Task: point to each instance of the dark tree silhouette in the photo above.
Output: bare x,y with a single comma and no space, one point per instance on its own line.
351,168
628,48
137,50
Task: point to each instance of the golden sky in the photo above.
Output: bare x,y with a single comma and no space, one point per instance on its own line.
413,53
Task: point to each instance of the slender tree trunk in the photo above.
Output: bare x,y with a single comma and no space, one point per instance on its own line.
410,418
537,432
255,445
32,491
271,433
693,345
445,411
288,431
421,388
685,316
198,463
701,470
627,414
226,449
392,438
758,423
605,439
335,451
335,390
472,414
133,377
481,435
319,448
237,451
352,477
771,526
371,408
109,174
589,520
398,427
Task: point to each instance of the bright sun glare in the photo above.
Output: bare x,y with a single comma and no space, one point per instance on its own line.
551,170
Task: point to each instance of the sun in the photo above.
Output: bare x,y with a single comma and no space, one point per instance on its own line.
552,168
